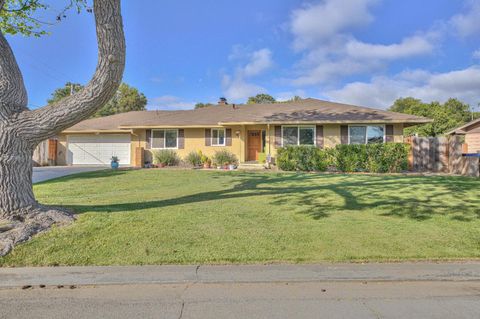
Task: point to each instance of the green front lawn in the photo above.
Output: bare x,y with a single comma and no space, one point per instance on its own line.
187,217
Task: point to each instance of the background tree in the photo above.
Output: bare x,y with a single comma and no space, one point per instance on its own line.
126,99
296,98
202,105
446,116
261,99
22,129
61,93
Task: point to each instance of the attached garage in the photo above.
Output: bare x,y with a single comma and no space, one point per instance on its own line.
98,149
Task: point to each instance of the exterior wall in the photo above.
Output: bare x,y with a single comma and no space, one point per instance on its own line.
398,133
473,141
195,141
331,135
62,150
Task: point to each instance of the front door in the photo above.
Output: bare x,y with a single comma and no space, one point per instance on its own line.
254,145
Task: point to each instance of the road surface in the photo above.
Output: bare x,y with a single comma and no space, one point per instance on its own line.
248,300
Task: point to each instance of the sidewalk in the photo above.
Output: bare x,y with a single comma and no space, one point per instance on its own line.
120,275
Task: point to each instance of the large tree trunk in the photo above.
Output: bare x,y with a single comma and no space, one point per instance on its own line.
21,129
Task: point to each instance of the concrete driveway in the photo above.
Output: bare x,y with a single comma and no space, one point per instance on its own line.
41,174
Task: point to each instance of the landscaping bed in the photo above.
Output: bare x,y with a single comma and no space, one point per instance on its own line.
214,217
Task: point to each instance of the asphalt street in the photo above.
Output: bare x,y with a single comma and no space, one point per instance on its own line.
330,300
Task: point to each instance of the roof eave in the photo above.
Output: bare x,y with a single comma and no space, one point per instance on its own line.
412,122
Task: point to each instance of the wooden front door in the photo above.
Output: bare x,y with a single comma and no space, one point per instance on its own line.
254,145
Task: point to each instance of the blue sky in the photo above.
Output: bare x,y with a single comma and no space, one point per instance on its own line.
366,52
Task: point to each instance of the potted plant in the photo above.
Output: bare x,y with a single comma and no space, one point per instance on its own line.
225,159
114,162
195,159
164,158
207,163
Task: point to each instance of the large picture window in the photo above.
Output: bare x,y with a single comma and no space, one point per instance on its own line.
164,139
298,135
366,134
218,137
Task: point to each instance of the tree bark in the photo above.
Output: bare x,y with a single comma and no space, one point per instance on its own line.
21,129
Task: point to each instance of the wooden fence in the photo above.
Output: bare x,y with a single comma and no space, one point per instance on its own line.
441,154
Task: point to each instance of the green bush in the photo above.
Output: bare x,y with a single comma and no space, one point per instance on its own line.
224,157
351,158
374,158
166,157
302,158
194,158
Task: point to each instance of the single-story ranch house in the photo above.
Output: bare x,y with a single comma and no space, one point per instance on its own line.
245,130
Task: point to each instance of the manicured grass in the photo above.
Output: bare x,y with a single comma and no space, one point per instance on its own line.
187,217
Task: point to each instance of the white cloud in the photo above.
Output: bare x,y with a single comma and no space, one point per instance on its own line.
314,23
411,46
238,86
476,54
382,91
468,23
323,32
261,61
169,102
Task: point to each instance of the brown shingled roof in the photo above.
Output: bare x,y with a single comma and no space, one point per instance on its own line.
302,111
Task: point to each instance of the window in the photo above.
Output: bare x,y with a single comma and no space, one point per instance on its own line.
218,137
164,139
361,134
298,135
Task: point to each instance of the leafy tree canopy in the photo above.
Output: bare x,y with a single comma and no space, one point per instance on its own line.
19,16
202,105
446,116
127,99
261,99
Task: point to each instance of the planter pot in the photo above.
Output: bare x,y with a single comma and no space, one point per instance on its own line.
206,165
162,165
114,165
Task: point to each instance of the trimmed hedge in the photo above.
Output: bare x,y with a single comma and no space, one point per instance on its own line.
374,158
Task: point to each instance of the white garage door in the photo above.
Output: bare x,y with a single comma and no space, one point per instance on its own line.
98,149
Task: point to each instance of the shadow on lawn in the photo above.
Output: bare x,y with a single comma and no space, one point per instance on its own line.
320,195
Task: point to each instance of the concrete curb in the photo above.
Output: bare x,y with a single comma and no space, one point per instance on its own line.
111,275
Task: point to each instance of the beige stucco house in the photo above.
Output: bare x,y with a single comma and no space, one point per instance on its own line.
245,130
471,131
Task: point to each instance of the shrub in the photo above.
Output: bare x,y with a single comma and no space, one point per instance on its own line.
350,158
302,158
224,157
194,158
166,157
375,158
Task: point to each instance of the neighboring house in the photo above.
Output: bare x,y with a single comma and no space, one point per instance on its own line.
471,131
245,130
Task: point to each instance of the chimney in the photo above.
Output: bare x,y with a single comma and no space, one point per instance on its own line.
222,101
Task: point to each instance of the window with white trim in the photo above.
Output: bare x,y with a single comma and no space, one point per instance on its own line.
366,134
298,135
218,137
164,139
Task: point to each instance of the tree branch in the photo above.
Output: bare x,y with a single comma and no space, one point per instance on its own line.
13,96
52,119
